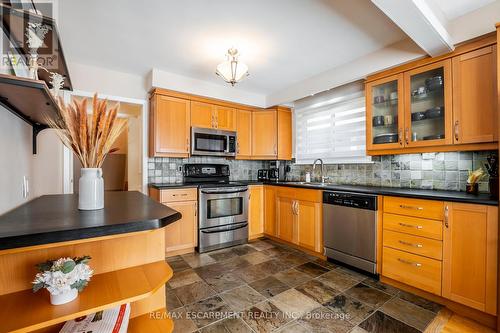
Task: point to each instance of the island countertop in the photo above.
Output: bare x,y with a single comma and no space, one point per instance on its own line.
56,218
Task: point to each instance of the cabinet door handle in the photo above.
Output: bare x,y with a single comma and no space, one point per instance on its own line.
400,135
419,246
410,225
456,130
187,143
407,135
446,216
416,264
196,211
182,195
213,121
411,207
238,147
274,148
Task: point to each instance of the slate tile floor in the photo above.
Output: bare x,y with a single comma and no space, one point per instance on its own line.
265,286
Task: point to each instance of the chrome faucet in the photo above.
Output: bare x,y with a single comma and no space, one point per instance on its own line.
323,178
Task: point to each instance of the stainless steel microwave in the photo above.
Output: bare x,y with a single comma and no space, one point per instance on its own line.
212,142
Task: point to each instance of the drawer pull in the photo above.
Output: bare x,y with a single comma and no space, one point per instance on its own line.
411,244
416,264
411,207
410,226
182,195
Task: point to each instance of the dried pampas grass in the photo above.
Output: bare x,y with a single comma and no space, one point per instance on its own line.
90,137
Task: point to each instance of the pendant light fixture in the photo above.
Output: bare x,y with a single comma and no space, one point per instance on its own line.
231,70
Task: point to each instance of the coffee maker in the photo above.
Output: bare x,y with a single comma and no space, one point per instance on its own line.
278,170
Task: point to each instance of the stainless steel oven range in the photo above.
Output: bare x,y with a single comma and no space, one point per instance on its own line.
222,206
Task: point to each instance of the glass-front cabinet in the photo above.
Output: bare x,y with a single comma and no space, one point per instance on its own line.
384,105
410,109
428,116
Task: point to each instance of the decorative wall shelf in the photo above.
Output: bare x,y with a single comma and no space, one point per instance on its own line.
14,23
28,99
106,290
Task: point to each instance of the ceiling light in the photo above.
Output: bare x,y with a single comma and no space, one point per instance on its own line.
231,70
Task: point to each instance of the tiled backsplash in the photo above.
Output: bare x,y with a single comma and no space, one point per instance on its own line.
169,170
439,171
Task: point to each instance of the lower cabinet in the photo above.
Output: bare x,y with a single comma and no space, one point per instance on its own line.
451,253
270,211
298,217
470,241
182,235
256,211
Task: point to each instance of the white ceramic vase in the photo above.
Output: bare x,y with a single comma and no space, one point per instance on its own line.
91,189
64,297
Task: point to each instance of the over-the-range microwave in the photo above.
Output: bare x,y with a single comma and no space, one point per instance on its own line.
212,142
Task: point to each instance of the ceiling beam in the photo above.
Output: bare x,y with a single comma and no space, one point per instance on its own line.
421,21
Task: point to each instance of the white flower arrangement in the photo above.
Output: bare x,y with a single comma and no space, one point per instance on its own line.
61,275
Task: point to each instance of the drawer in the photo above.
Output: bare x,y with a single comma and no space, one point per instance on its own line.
180,194
416,271
414,207
417,245
413,226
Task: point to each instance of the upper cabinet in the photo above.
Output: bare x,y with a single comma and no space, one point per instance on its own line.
169,126
474,89
212,116
428,116
225,118
433,104
263,134
384,109
284,133
264,138
244,134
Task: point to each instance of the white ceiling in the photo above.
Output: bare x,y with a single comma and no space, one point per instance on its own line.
282,41
456,8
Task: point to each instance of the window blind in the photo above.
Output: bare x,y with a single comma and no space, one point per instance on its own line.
332,127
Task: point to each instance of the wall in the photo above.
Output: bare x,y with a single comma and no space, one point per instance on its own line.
169,170
16,159
438,171
48,164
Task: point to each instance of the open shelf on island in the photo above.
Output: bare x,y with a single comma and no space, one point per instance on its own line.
28,99
156,322
34,311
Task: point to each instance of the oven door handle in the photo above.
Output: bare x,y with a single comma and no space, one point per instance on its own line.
224,192
240,226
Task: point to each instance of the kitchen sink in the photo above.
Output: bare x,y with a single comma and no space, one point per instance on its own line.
307,183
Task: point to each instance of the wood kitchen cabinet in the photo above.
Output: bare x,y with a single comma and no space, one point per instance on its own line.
272,134
212,116
244,134
474,96
262,134
256,211
298,217
264,137
446,103
308,215
181,236
270,210
285,216
170,121
284,133
470,244
202,115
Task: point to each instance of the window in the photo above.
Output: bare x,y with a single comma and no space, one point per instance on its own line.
332,126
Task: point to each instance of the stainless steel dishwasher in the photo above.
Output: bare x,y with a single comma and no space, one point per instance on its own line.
350,229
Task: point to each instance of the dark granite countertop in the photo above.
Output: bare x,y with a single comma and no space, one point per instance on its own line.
56,218
453,196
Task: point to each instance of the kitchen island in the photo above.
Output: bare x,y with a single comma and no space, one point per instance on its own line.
126,241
